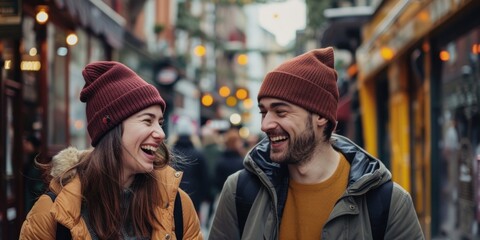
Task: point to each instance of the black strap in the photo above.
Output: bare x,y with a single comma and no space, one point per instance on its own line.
247,189
63,233
178,216
378,202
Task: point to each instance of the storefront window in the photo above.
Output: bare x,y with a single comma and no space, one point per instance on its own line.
97,51
78,122
30,66
7,55
9,148
460,145
10,93
57,104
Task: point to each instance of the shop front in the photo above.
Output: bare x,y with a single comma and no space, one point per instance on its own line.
457,72
40,74
419,90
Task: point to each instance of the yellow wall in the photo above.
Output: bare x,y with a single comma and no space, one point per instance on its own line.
399,125
369,116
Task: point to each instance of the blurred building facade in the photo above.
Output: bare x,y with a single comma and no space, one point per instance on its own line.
44,45
418,87
231,53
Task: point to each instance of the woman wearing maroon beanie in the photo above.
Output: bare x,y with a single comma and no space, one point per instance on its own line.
124,188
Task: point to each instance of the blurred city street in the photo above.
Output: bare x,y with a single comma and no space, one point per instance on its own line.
408,79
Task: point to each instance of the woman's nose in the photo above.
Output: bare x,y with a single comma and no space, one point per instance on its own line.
158,133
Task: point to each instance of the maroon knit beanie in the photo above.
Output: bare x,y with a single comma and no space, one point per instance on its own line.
113,92
308,81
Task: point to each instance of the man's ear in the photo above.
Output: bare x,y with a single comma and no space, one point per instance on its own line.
321,121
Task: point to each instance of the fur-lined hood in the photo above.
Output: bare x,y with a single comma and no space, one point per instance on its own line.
67,207
66,159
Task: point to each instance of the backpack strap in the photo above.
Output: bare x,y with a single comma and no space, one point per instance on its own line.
62,231
378,203
178,216
248,186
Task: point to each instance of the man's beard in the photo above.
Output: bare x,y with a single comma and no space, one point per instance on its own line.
301,149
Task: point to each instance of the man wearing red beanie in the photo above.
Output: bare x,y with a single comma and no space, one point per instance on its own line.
304,182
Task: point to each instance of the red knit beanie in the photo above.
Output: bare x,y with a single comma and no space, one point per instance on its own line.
308,81
113,92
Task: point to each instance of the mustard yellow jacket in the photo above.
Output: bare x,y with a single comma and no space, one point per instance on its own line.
41,221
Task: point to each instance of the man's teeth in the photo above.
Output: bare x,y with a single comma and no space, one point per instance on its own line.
278,138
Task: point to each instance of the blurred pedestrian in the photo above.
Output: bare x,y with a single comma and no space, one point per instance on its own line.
34,185
253,140
311,184
188,145
212,150
232,157
123,188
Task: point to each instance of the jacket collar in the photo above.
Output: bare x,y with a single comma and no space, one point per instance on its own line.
67,206
364,168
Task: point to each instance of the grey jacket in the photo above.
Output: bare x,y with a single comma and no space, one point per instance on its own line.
349,218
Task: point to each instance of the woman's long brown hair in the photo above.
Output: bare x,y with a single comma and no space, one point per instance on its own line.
101,178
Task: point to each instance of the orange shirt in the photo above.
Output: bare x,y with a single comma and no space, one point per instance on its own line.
308,206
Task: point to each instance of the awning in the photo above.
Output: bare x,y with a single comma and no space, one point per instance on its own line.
344,26
97,16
